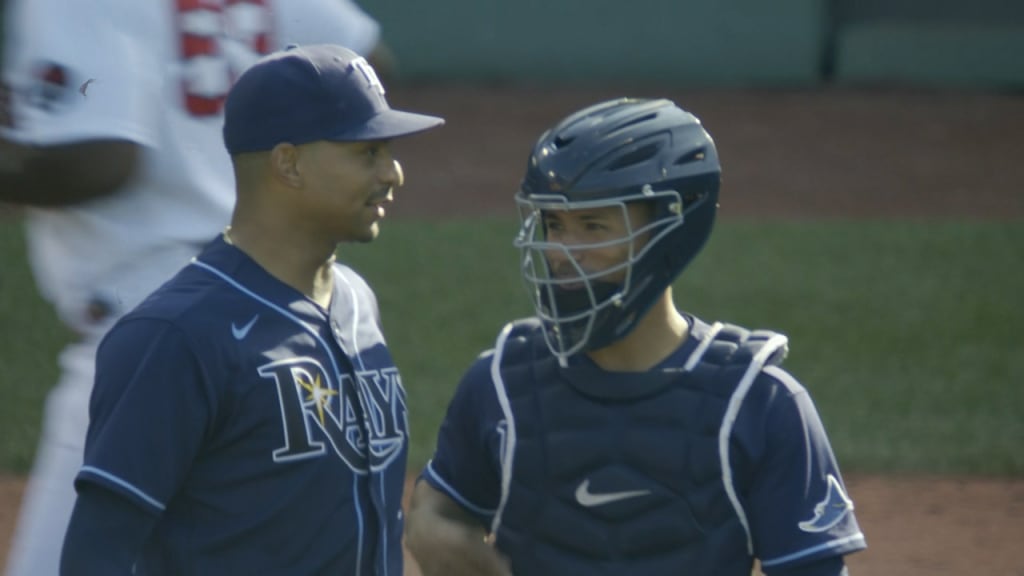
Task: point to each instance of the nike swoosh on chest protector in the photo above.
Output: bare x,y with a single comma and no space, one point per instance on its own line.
589,499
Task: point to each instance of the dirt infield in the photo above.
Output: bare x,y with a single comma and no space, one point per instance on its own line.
786,154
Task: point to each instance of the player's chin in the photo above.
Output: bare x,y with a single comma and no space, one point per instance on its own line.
369,225
368,234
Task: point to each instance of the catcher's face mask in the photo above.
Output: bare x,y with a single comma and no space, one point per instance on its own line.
577,261
591,287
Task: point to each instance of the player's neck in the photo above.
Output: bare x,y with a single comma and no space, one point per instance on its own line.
658,334
306,269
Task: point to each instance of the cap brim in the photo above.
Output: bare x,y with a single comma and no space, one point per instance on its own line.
390,124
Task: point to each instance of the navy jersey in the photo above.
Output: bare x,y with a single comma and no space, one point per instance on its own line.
268,434
772,482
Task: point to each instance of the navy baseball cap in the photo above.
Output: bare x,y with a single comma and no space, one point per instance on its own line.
307,93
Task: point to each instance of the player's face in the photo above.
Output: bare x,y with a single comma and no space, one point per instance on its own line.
349,184
597,240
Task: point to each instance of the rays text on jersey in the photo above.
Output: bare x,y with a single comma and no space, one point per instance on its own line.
363,419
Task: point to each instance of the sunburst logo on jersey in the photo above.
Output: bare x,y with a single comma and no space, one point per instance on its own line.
318,394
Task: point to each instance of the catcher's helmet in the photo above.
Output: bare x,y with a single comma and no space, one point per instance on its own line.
609,155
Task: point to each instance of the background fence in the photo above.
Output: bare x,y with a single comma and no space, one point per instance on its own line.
719,43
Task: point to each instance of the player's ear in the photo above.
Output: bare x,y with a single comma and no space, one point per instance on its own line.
284,162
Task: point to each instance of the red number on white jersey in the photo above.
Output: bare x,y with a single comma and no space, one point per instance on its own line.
218,39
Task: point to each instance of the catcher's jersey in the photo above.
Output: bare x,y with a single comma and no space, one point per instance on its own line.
753,475
154,72
269,435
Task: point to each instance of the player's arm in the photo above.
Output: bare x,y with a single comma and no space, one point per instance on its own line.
105,535
84,139
139,449
802,521
65,174
447,540
460,488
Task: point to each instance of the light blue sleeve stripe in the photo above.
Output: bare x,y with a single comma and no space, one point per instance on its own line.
855,538
429,471
125,485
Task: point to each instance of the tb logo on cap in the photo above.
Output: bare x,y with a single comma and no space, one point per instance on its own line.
369,73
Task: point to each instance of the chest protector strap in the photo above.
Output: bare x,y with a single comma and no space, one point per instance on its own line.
729,344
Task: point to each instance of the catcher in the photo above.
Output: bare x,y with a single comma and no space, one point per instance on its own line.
613,433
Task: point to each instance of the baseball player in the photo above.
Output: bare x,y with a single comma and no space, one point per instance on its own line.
247,417
613,433
112,138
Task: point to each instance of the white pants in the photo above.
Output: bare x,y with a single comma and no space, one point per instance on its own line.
50,493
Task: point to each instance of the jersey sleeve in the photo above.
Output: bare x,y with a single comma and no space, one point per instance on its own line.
105,534
83,70
150,410
466,462
797,506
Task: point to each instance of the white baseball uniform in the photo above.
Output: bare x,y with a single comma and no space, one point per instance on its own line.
154,72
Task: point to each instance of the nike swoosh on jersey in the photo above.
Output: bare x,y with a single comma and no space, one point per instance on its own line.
589,499
241,333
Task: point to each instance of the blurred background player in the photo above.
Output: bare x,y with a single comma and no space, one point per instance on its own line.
613,433
112,141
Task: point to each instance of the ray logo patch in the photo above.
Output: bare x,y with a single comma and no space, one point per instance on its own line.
833,508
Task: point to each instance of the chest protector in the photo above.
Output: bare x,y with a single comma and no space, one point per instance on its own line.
624,473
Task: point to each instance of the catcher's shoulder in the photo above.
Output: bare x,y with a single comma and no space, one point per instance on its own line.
743,346
515,341
726,342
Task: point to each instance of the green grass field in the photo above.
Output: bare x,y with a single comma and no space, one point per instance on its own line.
905,332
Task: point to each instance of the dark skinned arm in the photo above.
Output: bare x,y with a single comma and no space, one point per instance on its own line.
66,174
446,540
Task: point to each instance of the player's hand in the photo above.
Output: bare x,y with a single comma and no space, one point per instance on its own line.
461,552
446,540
